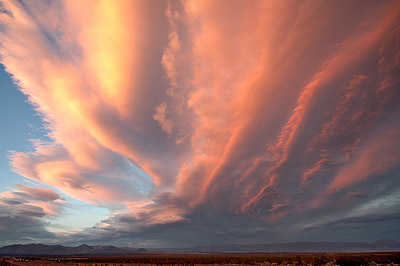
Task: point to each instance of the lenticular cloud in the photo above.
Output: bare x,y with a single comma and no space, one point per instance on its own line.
274,114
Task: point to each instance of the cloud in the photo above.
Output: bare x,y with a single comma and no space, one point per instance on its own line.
210,121
23,210
117,180
32,201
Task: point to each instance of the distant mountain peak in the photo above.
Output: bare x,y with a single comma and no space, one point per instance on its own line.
59,250
305,246
387,243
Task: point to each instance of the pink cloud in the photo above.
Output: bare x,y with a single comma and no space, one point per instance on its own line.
32,201
380,154
176,110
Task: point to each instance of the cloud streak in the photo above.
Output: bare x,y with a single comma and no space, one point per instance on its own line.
23,211
275,114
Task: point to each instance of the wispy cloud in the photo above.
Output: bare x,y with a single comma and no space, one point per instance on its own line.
22,212
200,113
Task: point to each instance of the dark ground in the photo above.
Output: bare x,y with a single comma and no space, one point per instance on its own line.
158,259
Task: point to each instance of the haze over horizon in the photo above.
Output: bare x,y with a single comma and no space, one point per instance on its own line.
182,123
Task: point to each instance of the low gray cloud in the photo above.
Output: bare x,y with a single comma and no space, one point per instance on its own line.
23,211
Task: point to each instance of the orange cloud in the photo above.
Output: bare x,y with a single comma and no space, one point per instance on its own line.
379,155
178,108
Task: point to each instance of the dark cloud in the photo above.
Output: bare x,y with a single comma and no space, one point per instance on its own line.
22,213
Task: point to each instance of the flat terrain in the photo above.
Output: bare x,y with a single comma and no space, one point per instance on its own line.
147,259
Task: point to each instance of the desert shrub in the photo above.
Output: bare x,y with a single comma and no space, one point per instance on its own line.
350,261
321,260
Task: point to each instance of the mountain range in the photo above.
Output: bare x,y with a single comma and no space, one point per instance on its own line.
59,250
383,245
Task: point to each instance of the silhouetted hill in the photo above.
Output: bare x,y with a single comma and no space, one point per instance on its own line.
59,250
385,245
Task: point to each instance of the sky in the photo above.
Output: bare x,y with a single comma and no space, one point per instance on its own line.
181,123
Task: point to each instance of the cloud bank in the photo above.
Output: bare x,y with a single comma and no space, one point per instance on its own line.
212,121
